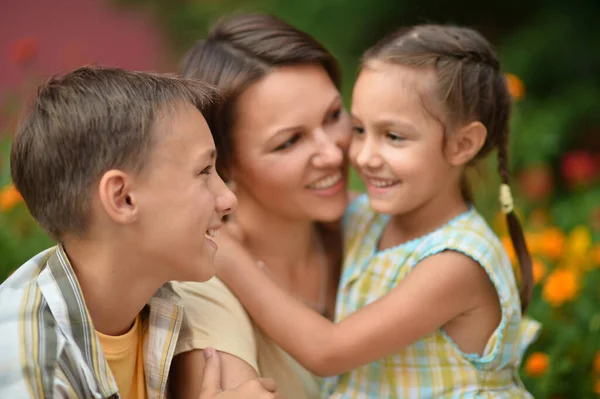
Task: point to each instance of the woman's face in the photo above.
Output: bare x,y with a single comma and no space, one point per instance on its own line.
291,134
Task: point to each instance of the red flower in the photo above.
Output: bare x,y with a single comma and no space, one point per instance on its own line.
536,182
578,168
24,50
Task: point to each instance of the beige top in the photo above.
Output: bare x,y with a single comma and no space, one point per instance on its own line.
217,319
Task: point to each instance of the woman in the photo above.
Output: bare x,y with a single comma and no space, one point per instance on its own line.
281,132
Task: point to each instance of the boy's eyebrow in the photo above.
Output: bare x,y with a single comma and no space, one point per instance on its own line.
210,154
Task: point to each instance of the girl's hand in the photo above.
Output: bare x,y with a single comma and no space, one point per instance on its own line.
231,257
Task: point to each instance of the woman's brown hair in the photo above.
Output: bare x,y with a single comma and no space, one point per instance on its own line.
471,87
238,52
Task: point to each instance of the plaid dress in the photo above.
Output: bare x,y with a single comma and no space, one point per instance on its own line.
433,367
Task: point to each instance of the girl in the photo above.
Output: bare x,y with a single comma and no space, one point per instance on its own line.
428,305
281,132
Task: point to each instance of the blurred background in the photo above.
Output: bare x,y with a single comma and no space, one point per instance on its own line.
550,50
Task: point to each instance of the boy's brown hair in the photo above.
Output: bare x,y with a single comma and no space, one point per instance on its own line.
83,124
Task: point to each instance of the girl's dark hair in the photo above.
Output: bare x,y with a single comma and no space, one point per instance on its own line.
239,51
471,87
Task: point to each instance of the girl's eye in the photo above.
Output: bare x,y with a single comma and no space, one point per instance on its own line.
334,116
394,136
358,130
287,144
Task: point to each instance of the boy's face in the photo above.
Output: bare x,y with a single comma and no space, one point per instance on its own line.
181,198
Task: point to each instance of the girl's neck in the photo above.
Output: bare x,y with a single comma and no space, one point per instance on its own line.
424,219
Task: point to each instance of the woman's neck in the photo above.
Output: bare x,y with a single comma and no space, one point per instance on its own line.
294,253
273,238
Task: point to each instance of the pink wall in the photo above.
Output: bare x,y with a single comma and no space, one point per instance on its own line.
45,37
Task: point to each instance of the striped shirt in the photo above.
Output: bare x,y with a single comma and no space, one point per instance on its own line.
49,347
434,366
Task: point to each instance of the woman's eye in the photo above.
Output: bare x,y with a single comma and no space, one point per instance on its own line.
334,116
288,143
358,130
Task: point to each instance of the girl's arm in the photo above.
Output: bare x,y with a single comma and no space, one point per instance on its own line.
439,289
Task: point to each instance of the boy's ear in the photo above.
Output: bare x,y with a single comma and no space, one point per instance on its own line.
463,146
117,198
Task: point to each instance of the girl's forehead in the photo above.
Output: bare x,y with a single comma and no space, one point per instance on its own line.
385,87
397,76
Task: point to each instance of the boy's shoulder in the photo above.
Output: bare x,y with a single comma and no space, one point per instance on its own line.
21,294
39,351
31,340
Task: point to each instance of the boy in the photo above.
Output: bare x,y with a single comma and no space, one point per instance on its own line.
117,167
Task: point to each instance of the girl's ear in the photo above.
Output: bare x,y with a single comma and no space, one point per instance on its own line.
465,144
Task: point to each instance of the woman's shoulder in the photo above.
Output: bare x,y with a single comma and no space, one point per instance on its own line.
214,317
211,302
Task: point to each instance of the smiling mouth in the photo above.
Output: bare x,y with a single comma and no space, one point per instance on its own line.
326,182
210,233
381,183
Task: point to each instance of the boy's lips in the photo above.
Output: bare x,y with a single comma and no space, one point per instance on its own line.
211,232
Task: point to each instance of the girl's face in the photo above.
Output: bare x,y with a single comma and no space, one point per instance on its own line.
397,144
291,133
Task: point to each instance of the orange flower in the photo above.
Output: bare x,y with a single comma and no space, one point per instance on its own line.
537,364
561,286
597,363
596,255
9,197
579,242
539,270
24,50
552,243
508,247
516,87
533,241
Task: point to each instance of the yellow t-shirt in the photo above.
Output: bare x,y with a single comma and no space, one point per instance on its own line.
217,319
125,356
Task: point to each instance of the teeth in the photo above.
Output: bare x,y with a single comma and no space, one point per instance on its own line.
326,182
381,183
211,233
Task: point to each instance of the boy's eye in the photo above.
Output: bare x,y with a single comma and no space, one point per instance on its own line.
207,170
288,143
358,130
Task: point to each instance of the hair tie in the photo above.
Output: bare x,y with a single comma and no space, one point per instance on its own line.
506,199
